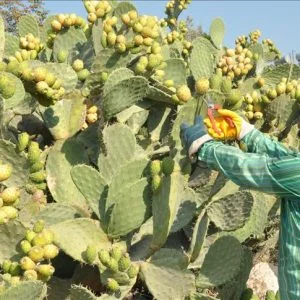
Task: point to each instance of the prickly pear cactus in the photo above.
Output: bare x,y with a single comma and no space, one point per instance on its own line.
98,199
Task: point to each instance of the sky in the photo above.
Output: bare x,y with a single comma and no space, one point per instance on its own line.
278,20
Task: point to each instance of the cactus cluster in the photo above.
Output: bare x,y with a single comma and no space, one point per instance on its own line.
90,144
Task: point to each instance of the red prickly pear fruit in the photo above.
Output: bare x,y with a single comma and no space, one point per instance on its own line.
27,263
50,251
5,171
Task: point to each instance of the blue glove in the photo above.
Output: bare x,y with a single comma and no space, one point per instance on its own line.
194,136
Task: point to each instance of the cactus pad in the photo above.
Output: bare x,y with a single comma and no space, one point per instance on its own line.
90,232
221,263
2,38
79,292
217,32
28,24
65,117
176,71
92,186
11,45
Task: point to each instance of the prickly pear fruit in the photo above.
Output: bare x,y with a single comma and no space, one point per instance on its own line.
90,254
8,91
234,97
40,74
38,177
184,93
30,275
116,253
124,262
155,167
133,271
25,246
11,212
83,74
202,86
5,171
36,253
260,82
15,280
10,195
39,240
215,82
270,295
167,165
48,235
50,251
33,152
113,265
45,270
156,182
30,235
3,217
50,79
15,269
27,263
112,285
6,265
78,65
226,85
36,167
104,257
39,226
23,141
42,87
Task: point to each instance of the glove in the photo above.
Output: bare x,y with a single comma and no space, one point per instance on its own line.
240,129
194,136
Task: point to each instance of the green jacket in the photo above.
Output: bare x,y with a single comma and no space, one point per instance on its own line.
269,167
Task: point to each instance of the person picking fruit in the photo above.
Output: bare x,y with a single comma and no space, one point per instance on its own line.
267,166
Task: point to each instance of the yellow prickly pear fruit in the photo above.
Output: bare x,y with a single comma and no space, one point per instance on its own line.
30,275
8,91
42,87
39,226
6,265
92,17
133,271
30,235
281,88
138,40
15,269
83,74
155,167
40,74
62,56
100,12
111,38
10,195
92,110
289,87
249,115
50,251
154,61
104,257
50,79
3,66
184,93
124,262
5,171
138,27
121,39
11,212
169,83
36,253
45,270
78,65
272,94
202,86
39,240
3,217
148,41
260,82
48,235
56,25
258,115
27,263
133,15
126,19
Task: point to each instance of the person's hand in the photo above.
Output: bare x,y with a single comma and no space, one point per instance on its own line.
226,130
194,136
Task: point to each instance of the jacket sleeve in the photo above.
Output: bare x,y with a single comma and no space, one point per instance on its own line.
254,170
257,142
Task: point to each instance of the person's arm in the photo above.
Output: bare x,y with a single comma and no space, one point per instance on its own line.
257,142
252,170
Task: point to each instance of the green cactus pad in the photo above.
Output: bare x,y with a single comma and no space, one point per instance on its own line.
221,263
28,24
58,289
166,276
11,234
61,159
158,95
90,232
19,94
273,76
176,71
137,120
108,60
26,290
120,147
126,114
199,234
92,186
66,117
123,8
2,38
54,213
124,94
115,77
159,122
164,208
202,58
231,212
217,32
66,40
79,292
18,162
11,45
97,30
